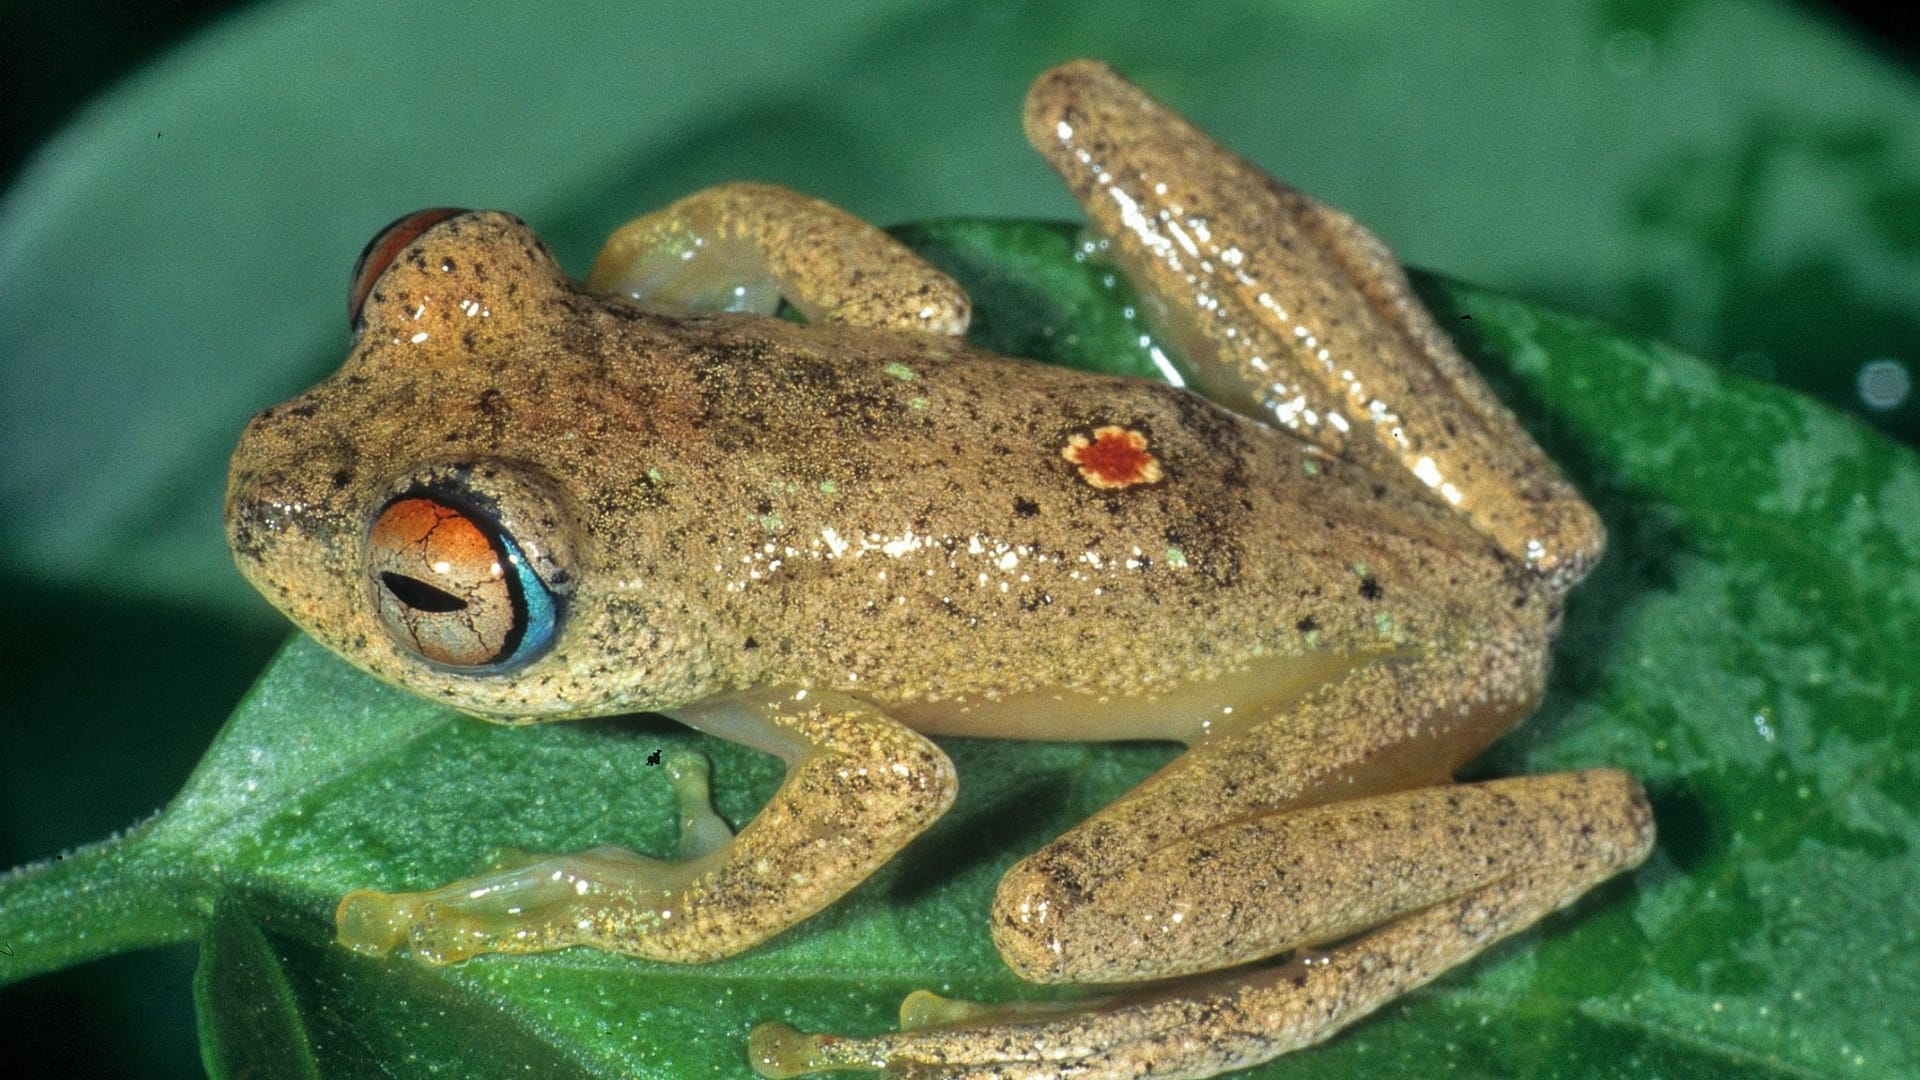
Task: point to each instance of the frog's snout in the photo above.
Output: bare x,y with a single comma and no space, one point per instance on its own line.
267,529
281,513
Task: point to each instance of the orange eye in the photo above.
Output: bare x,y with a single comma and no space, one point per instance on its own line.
381,250
452,586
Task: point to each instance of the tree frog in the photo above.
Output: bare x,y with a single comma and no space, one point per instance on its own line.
1332,568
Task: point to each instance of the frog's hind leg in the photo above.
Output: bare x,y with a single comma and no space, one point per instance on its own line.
1267,840
1200,1026
1290,312
746,247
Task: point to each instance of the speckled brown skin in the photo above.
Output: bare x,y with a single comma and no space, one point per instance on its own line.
819,539
654,459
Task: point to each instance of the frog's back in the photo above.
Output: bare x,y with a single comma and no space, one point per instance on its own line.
922,521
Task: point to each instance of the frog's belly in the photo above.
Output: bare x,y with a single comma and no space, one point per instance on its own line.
1187,713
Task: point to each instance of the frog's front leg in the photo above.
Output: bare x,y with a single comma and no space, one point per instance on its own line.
745,247
859,786
1306,831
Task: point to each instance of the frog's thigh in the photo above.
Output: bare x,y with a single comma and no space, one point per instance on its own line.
745,247
859,786
1309,824
1258,887
1306,320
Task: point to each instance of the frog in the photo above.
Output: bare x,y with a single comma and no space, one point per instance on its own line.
749,474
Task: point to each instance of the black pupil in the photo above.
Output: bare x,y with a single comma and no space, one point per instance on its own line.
421,596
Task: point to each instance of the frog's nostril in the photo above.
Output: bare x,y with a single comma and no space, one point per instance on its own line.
255,521
421,596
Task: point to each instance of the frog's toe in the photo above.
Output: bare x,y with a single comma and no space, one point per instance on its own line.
702,830
779,1052
377,923
374,923
938,1036
434,927
448,937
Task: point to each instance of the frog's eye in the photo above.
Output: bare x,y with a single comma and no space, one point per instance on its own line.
381,250
454,587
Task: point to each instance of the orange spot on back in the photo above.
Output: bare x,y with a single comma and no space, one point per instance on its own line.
1115,457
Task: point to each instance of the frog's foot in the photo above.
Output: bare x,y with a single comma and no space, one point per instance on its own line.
1162,1033
702,831
1288,285
535,904
1194,1028
929,1024
531,902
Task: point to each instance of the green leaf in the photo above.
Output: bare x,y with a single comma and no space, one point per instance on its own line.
251,1020
1744,649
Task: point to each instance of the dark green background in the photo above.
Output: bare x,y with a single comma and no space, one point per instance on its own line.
1769,217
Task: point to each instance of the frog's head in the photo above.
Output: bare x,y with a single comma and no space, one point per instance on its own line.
415,511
